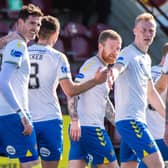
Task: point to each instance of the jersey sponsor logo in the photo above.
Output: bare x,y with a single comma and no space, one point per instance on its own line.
80,75
44,152
64,69
120,58
16,53
11,150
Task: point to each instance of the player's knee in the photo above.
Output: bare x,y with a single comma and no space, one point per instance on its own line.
76,164
113,164
29,164
154,160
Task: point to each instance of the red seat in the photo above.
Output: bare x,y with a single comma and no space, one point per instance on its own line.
95,31
98,27
73,28
59,45
13,14
80,48
4,27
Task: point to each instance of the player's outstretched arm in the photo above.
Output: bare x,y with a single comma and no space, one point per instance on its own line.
71,88
9,95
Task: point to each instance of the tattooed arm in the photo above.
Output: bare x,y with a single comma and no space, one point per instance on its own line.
75,130
110,112
72,107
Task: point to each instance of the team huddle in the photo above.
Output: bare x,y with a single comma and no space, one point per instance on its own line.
31,115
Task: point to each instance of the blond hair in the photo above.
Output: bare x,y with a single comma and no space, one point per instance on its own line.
108,34
144,17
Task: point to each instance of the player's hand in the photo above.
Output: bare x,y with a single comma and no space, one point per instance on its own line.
25,120
100,75
75,130
166,134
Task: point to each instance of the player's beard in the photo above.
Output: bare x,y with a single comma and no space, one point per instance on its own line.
108,58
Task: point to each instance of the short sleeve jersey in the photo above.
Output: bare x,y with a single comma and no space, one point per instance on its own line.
48,67
15,52
131,85
92,103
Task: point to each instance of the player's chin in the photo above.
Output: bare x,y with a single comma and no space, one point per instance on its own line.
32,37
110,61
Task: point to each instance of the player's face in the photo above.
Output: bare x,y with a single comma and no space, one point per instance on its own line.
145,32
30,27
111,49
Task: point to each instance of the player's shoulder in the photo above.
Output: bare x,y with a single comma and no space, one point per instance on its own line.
17,44
127,50
125,54
58,54
91,63
15,48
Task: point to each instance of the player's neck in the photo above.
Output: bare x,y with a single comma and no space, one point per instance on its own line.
45,42
22,37
141,48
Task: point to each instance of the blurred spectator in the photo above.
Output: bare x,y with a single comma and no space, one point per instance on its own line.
87,8
101,8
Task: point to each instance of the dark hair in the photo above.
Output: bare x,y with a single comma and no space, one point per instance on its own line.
49,25
28,10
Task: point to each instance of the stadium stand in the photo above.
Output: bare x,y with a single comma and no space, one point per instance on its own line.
95,29
80,48
4,27
73,28
59,45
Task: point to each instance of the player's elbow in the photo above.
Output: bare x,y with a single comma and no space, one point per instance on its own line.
71,92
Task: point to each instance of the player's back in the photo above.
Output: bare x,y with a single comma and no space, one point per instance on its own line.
46,63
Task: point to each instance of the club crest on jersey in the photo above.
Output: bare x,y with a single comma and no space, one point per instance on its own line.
64,69
16,53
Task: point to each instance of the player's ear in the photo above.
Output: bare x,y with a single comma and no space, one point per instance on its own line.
20,22
134,30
